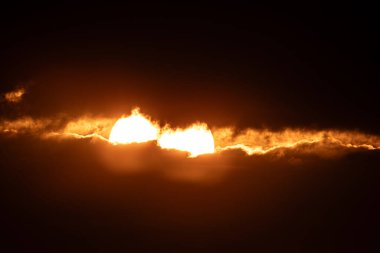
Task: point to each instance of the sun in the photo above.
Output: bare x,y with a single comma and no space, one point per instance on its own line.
196,139
138,128
134,129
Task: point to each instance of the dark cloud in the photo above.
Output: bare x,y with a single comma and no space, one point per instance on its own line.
65,197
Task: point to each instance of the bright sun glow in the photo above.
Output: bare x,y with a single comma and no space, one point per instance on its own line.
197,140
133,129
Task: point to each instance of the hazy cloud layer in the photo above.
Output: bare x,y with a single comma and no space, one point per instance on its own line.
293,146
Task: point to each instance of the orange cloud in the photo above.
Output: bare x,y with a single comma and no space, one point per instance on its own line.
15,96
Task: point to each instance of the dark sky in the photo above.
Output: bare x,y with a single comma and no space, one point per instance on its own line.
224,64
298,66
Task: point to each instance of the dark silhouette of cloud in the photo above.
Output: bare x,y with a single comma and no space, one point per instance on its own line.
77,194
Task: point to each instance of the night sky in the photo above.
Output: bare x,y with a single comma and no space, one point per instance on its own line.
246,66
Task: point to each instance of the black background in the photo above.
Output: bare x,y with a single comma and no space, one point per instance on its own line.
225,64
289,66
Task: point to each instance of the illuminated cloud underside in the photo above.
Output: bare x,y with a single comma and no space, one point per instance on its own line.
196,139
